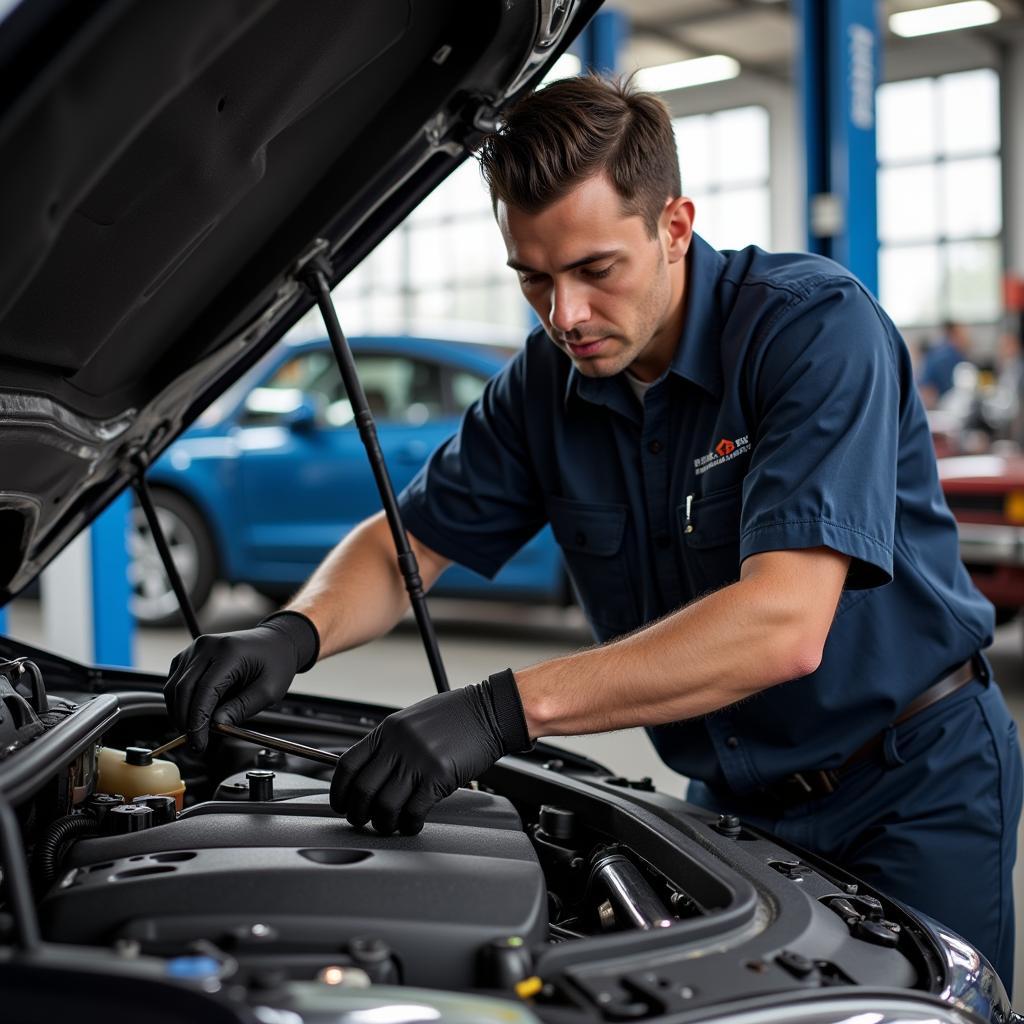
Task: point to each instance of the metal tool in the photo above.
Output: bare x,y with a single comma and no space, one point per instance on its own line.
176,742
285,746
261,740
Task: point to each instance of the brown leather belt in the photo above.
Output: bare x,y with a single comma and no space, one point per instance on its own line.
800,787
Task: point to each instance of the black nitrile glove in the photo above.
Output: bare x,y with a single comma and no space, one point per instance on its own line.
231,676
394,775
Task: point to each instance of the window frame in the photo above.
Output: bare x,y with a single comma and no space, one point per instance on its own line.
938,237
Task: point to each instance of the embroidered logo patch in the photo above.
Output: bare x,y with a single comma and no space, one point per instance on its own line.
726,450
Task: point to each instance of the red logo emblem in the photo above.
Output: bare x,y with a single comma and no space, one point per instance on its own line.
724,447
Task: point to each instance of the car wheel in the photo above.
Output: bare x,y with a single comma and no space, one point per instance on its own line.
153,600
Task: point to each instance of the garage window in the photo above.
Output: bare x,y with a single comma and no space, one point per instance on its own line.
724,165
940,199
444,264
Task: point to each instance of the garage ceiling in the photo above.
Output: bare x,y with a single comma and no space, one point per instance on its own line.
760,34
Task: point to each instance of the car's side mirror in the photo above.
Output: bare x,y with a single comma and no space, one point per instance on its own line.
304,418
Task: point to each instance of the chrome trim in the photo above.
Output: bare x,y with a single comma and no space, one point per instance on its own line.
554,17
857,1008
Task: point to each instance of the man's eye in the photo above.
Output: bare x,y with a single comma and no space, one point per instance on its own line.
531,279
596,274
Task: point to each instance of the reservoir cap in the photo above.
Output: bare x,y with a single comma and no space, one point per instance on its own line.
140,756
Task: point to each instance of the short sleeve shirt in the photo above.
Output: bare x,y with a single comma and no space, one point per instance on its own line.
787,419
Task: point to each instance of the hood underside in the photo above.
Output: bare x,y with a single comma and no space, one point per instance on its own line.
167,167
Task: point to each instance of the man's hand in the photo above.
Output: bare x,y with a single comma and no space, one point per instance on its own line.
231,676
394,775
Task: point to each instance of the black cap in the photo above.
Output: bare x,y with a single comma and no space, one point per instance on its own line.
127,818
163,807
557,822
261,784
100,803
141,756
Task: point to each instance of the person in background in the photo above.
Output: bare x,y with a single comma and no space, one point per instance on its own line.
936,375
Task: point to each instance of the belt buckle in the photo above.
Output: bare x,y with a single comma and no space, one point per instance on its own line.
811,785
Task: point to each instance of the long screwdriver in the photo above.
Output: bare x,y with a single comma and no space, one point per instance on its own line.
261,740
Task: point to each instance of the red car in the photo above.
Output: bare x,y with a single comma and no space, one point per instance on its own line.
986,494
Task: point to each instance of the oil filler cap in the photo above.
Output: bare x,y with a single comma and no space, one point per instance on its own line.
261,784
126,819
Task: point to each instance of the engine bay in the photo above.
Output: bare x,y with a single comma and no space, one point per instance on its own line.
550,881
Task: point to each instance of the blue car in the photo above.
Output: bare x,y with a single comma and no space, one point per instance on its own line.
273,474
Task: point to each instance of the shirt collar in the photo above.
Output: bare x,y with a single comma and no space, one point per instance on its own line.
698,355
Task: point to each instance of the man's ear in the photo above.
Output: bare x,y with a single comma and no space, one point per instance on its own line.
675,227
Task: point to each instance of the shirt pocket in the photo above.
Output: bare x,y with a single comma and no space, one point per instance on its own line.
711,538
591,536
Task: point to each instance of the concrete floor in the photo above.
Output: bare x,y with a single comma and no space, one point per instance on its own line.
478,639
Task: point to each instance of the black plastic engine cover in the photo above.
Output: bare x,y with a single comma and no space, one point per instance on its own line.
314,881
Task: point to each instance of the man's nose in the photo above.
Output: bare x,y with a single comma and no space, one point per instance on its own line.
569,307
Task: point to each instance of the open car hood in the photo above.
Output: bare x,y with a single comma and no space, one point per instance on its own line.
164,171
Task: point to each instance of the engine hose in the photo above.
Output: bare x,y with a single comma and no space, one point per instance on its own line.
50,849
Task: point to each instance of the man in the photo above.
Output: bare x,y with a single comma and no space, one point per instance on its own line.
936,376
732,455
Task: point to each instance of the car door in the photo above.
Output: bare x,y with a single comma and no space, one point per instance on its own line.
304,471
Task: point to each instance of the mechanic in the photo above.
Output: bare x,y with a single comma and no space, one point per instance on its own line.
732,454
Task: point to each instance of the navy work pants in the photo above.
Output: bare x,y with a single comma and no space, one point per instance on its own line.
932,822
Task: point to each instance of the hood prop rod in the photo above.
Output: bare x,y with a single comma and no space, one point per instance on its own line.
316,274
157,532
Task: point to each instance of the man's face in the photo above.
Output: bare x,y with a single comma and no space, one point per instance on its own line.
608,294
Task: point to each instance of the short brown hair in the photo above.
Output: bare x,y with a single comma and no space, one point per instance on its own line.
554,139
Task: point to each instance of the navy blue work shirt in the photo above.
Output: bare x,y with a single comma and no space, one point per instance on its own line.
788,419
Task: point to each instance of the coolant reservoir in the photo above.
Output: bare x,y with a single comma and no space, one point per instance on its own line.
134,771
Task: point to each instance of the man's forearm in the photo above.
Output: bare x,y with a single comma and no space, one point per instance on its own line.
720,649
357,594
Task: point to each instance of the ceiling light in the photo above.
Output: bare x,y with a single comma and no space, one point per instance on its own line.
684,74
945,18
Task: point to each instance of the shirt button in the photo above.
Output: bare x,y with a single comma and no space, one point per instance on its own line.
663,540
654,447
732,742
581,538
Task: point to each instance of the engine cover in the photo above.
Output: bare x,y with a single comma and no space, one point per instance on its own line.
292,875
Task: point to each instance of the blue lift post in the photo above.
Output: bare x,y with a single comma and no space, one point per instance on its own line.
112,621
839,71
600,43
